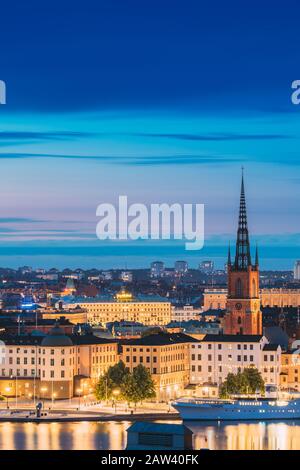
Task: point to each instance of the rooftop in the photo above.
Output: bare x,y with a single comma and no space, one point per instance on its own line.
161,339
232,338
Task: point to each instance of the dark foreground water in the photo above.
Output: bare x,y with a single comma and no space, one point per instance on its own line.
112,435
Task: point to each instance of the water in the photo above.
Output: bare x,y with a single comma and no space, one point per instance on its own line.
112,435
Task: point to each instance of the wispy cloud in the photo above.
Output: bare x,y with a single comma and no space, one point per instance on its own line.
17,220
139,160
212,137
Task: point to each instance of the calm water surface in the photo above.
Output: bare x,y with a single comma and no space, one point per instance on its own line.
112,435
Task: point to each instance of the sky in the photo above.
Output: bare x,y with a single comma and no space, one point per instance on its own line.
159,101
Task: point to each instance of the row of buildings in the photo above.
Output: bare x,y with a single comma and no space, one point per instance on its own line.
59,365
214,298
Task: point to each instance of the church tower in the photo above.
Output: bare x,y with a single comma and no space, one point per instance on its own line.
243,315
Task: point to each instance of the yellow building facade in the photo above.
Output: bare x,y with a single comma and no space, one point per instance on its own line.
148,313
166,356
290,371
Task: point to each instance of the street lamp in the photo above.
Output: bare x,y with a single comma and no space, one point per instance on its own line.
53,398
8,389
79,391
116,392
43,390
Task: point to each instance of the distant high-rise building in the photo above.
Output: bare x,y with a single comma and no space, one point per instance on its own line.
297,270
181,267
206,267
126,276
157,268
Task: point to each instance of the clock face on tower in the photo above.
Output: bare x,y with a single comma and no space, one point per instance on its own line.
238,306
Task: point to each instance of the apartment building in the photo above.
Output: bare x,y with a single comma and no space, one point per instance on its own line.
167,358
213,357
290,371
49,366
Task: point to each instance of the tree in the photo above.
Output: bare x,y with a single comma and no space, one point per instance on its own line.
248,381
111,381
139,385
254,379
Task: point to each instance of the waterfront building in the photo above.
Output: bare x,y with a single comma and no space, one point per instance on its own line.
290,371
49,366
215,356
167,356
243,314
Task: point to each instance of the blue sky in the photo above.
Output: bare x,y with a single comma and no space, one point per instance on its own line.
162,101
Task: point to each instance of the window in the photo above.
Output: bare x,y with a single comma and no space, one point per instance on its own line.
238,288
254,288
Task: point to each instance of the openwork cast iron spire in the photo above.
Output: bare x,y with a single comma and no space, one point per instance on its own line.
242,255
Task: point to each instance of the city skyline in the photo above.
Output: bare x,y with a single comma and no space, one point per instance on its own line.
97,114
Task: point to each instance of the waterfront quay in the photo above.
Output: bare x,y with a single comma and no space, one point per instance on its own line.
71,411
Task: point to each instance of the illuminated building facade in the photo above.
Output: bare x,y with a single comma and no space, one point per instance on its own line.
166,356
215,356
281,297
290,372
125,308
48,366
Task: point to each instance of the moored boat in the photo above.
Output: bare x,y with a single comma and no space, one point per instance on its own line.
237,410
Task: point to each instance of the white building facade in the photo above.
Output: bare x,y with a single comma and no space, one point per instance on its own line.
215,356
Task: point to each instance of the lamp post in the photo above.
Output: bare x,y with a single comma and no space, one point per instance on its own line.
43,390
79,391
16,388
53,399
8,389
116,392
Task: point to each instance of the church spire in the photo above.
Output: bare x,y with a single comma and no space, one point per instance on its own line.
242,255
229,256
256,256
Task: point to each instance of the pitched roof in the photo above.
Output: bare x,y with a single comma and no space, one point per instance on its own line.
271,347
161,339
232,338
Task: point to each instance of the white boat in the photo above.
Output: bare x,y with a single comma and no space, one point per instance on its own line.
237,410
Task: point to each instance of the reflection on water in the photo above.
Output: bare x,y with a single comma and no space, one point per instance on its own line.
247,436
54,436
112,435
